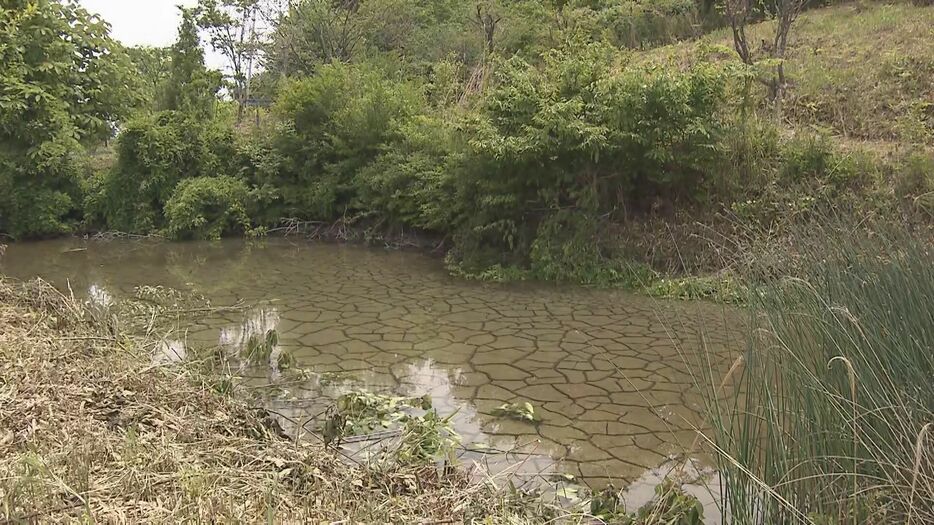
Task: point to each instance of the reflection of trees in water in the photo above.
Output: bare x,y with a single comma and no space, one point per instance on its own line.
217,268
120,266
208,268
257,323
222,271
99,296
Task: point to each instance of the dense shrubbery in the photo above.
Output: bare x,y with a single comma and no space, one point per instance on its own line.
207,208
333,125
154,154
584,133
528,174
639,24
525,150
62,84
415,181
41,197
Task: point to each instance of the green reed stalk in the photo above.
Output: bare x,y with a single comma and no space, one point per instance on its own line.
794,442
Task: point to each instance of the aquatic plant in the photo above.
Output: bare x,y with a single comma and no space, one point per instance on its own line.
671,505
427,438
259,349
365,411
518,411
423,435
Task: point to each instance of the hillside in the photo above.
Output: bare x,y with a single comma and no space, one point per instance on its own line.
861,71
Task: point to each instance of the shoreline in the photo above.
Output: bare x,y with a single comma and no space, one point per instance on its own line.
88,431
94,427
718,286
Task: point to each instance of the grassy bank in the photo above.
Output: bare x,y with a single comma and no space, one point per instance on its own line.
91,430
859,70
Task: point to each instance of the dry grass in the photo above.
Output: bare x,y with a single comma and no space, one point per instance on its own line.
90,430
866,74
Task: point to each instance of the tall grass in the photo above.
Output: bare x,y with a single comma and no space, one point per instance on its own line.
827,418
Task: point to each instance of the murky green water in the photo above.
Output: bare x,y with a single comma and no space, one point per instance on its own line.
604,369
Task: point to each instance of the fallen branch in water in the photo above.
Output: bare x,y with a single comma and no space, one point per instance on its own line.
113,235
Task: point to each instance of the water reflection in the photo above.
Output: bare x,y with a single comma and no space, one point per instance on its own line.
257,323
169,352
604,370
99,296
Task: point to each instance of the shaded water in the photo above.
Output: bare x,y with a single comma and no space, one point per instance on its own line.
605,370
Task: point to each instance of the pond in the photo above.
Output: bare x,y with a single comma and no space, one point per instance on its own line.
604,370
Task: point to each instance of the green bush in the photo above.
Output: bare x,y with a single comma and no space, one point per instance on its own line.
40,196
810,175
413,183
155,153
568,247
585,132
810,158
258,161
752,153
641,24
336,123
208,208
63,82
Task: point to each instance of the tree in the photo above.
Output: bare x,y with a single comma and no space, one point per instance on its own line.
417,33
741,12
64,84
152,66
487,21
191,87
314,32
231,25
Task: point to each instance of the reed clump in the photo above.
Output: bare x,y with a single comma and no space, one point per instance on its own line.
828,419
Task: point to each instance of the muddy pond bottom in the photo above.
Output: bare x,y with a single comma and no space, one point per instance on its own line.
608,373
